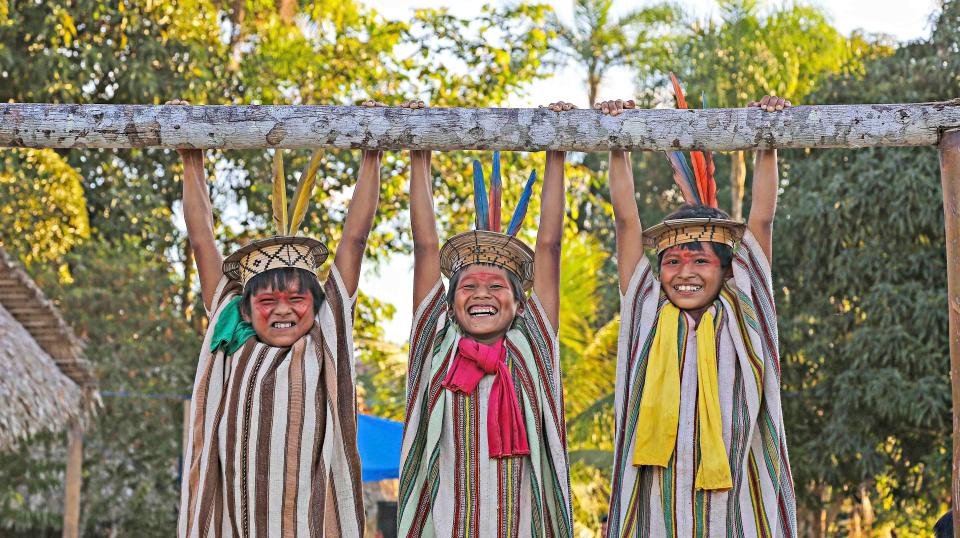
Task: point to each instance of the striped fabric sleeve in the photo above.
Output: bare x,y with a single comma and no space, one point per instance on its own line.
226,289
544,337
427,319
334,284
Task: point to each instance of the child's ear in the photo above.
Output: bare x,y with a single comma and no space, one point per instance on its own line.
727,274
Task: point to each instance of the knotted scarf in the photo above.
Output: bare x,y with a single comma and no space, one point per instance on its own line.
660,404
506,434
231,332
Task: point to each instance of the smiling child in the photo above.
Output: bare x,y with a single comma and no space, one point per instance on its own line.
700,448
272,447
484,445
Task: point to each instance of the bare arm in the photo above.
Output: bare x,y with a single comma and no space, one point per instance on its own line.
198,214
359,221
423,224
622,197
766,179
546,255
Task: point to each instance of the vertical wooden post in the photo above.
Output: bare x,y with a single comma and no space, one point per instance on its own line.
950,177
71,495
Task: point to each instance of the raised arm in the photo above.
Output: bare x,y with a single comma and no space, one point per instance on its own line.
766,180
546,253
423,224
359,221
625,214
198,215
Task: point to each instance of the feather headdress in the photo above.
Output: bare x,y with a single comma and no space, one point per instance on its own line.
699,187
488,244
285,249
696,181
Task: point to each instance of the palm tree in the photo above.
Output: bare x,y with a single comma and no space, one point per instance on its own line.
597,41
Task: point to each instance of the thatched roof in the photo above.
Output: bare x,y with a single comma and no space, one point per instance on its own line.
46,380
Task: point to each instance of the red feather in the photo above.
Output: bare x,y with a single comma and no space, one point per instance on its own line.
712,198
678,91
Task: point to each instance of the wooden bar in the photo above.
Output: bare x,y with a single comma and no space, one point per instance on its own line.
444,129
950,177
71,496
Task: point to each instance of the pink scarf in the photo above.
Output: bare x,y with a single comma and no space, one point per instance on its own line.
506,434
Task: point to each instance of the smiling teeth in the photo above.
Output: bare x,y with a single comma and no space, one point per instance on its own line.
687,287
282,325
482,311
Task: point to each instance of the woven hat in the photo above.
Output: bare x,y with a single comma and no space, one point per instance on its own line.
487,244
673,232
699,188
285,249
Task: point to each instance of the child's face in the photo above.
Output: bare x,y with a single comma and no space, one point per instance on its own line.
281,317
691,278
483,303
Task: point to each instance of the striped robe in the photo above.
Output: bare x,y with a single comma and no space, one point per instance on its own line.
651,501
449,485
272,448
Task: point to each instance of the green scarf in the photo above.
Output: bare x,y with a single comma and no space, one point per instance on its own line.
231,331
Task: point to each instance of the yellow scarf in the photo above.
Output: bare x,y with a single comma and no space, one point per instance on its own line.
660,404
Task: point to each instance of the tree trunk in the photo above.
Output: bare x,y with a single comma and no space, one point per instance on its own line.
738,179
446,129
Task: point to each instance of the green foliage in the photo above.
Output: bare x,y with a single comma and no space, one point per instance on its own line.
46,210
598,42
863,313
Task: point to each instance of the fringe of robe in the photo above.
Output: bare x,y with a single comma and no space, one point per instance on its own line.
272,448
449,485
658,502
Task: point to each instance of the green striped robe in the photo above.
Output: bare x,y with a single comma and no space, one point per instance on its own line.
658,502
449,485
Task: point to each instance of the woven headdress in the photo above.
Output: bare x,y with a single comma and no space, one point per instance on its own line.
285,249
487,244
698,186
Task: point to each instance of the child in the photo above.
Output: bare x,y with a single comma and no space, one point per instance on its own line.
484,445
700,448
272,448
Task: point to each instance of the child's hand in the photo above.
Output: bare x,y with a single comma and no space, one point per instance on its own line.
559,106
770,103
184,153
614,108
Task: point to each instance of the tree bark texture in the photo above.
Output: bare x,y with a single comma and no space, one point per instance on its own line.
444,129
950,178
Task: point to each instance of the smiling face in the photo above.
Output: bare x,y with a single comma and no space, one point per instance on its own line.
281,317
692,279
484,303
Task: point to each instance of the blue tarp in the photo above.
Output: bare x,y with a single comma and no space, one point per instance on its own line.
379,442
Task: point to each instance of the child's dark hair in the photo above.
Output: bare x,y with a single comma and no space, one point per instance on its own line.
687,211
282,278
516,286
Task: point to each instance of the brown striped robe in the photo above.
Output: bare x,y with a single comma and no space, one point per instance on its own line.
272,447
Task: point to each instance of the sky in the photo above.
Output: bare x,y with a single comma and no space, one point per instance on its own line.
873,16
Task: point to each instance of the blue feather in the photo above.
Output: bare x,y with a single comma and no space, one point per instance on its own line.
480,197
703,100
683,177
521,211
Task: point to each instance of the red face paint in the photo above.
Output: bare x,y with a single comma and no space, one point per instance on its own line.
691,279
282,317
484,304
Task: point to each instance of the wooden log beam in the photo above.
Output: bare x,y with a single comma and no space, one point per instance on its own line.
444,129
950,178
